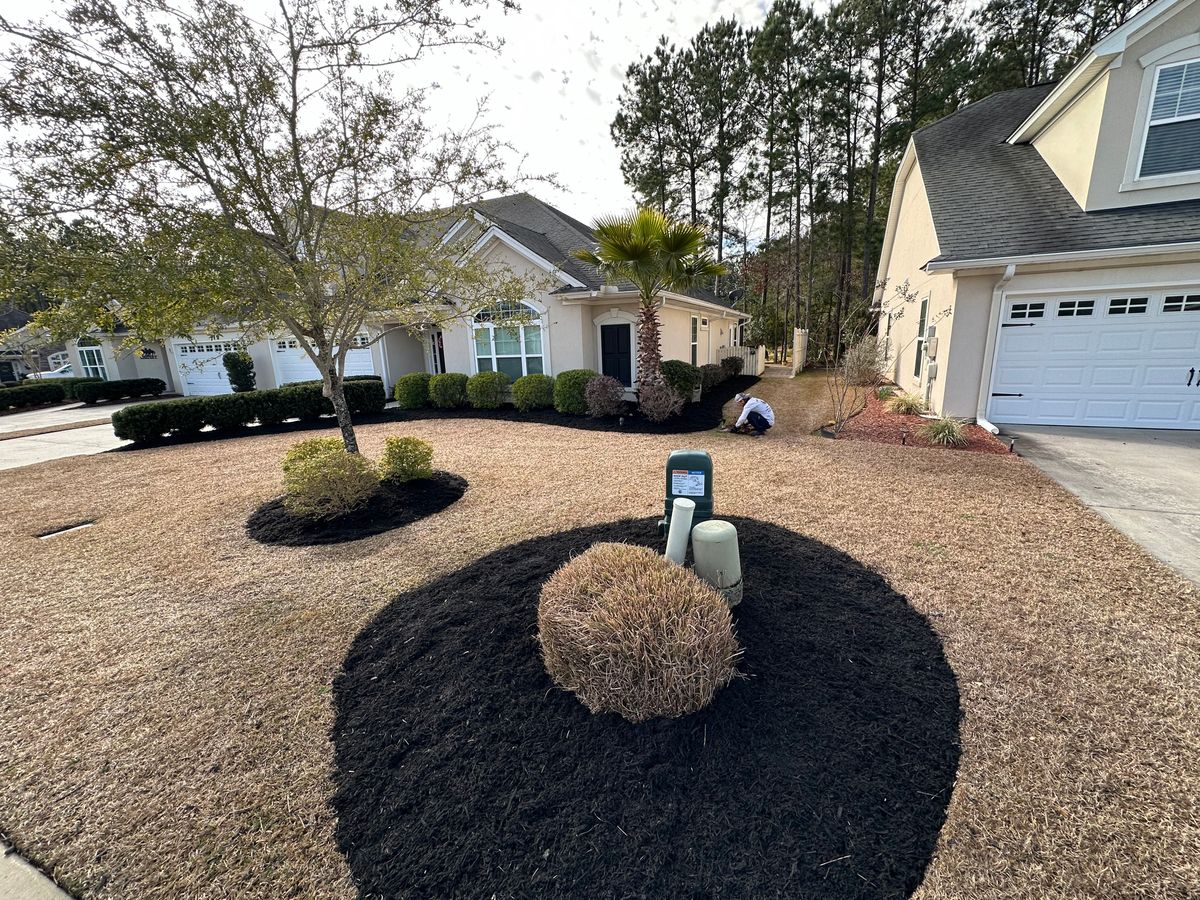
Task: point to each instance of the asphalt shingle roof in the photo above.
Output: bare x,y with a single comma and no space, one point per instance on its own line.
554,236
994,199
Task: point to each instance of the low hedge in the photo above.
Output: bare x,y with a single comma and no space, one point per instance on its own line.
119,389
412,391
32,393
683,377
733,365
486,390
533,392
713,374
69,385
448,390
148,422
570,390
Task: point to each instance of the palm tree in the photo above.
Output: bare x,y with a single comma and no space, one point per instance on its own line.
653,253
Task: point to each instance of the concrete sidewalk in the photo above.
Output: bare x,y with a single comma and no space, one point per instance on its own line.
1145,482
25,451
58,416
21,881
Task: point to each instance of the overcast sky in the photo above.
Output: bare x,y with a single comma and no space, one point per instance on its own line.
554,86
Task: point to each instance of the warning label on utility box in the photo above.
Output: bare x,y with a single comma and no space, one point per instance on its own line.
687,482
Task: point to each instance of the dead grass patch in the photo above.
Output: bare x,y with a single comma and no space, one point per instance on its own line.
165,710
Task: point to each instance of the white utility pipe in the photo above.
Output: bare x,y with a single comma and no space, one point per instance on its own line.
682,511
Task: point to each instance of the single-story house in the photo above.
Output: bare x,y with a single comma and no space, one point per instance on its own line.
1041,263
573,321
23,356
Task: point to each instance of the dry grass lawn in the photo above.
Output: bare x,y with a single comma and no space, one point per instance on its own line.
165,705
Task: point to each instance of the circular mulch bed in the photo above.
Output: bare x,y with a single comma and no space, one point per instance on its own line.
463,771
394,506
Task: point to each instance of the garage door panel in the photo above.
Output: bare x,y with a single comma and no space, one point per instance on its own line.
1067,368
294,363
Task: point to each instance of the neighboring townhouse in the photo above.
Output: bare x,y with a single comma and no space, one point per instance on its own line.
572,321
1042,257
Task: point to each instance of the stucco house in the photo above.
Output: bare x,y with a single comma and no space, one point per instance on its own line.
573,321
1041,263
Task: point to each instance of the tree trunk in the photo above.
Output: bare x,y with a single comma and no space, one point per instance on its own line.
649,346
334,389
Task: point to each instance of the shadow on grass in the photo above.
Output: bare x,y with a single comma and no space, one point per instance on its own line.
463,771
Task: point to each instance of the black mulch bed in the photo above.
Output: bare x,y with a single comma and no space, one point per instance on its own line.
463,772
394,506
703,415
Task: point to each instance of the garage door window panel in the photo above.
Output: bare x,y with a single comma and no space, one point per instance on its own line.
1128,306
1181,303
1075,308
1020,311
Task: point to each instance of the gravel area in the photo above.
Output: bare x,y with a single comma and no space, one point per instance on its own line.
166,707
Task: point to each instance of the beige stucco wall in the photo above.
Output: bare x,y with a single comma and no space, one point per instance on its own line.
1068,144
1119,140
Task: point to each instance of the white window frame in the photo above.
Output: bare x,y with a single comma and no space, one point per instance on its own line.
1132,305
1023,310
93,367
694,339
1075,309
536,320
922,331
1188,302
1162,178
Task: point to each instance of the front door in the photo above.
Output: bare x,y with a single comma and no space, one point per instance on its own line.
616,356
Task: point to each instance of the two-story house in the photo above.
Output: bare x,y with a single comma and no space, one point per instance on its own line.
1042,257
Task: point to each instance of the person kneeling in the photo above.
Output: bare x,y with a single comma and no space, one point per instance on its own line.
757,416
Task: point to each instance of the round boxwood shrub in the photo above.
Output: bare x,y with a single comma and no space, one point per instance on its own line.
682,376
448,390
631,633
405,459
412,391
533,392
658,402
322,481
713,374
569,390
733,365
486,390
605,396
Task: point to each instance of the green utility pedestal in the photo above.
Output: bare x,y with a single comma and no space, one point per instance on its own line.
689,474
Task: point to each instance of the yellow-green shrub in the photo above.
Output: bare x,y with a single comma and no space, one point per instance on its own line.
322,481
406,458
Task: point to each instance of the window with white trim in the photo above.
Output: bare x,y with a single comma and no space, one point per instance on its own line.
509,339
1128,306
695,339
1027,310
1069,308
91,360
1181,303
922,321
1172,143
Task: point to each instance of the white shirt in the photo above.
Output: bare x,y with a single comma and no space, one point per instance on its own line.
758,406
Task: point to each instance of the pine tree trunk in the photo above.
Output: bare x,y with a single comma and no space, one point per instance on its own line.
334,389
649,346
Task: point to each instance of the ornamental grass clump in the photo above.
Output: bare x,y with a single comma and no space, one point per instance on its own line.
406,459
944,432
629,632
323,481
905,404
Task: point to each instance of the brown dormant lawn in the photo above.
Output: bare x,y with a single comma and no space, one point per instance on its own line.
165,703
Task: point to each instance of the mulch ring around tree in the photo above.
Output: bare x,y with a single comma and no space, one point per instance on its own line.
462,770
876,423
703,415
395,505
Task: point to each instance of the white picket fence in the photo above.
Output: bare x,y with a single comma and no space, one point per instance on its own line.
754,359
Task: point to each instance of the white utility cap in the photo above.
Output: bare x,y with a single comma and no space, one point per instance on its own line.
718,561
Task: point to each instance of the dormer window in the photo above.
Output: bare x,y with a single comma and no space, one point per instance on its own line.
1172,144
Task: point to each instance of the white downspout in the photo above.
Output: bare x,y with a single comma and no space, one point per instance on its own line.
989,352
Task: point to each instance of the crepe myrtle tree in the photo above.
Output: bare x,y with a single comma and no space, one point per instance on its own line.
266,172
654,253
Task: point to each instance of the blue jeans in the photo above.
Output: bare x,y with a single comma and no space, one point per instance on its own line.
758,422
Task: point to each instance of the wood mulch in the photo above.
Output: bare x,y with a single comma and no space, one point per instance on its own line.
875,423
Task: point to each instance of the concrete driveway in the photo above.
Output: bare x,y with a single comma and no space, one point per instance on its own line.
1145,482
25,451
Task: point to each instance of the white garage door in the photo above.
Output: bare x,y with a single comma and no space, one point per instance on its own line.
1127,360
294,364
202,367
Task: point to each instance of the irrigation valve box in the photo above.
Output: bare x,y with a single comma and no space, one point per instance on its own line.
689,474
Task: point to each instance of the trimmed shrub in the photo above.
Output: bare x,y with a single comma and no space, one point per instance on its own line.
69,384
569,390
486,390
322,481
32,393
119,389
945,432
448,390
605,396
682,376
713,374
733,365
412,391
533,392
631,633
905,404
406,458
239,366
658,402
148,422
